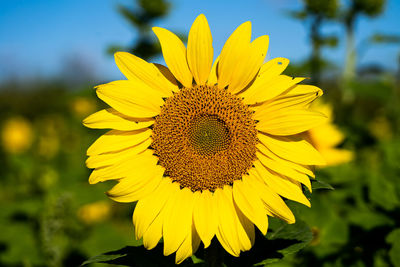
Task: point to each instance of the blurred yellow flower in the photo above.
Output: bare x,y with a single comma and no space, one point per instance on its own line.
327,136
17,135
49,138
380,128
82,106
48,146
204,154
48,178
94,212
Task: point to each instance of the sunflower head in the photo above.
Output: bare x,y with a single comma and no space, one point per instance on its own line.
205,138
206,149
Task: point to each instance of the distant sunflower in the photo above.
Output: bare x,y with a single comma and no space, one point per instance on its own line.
16,135
327,136
206,150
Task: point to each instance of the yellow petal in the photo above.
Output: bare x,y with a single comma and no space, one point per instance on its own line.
155,230
246,233
133,188
227,230
298,167
272,201
117,140
248,227
225,243
135,68
124,168
133,90
290,121
147,209
273,68
281,185
300,97
200,52
104,160
235,47
292,148
264,89
268,71
168,75
282,169
231,231
250,63
250,204
205,216
110,119
212,79
178,223
132,98
174,53
142,168
188,247
244,237
153,233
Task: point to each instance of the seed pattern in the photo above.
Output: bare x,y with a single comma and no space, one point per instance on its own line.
205,138
208,135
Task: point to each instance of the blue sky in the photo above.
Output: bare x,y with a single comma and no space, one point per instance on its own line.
38,37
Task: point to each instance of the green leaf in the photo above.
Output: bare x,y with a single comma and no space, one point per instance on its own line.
394,253
318,184
299,231
378,184
369,219
381,38
103,258
282,240
138,257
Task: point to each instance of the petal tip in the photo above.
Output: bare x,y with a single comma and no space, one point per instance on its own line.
201,16
119,55
157,29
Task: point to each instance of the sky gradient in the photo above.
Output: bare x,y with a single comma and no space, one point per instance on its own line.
38,38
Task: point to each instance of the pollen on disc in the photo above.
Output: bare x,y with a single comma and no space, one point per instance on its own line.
205,138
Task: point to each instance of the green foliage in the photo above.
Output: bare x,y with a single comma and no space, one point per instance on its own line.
394,239
282,232
380,38
318,184
324,8
316,13
137,256
369,7
282,240
142,18
43,188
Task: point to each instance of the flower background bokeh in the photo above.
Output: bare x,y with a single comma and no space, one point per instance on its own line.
51,216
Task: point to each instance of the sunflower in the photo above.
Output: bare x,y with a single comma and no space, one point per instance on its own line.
17,135
205,149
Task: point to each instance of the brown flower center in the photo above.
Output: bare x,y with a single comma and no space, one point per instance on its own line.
205,138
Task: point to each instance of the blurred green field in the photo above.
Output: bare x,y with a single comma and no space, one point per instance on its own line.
51,216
